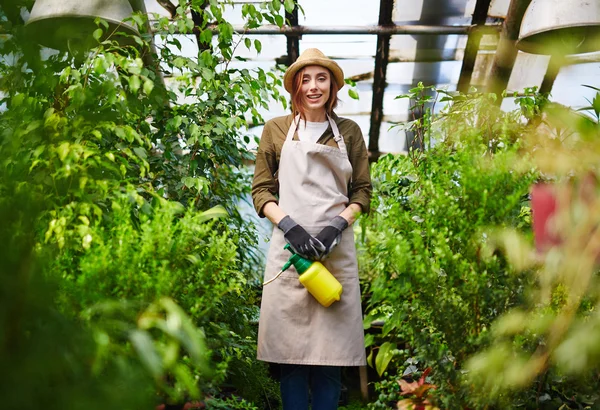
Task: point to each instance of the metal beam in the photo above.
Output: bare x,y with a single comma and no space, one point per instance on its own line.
386,7
554,66
506,54
150,58
293,42
358,30
472,47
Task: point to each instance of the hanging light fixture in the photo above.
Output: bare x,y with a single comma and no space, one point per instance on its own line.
560,27
69,24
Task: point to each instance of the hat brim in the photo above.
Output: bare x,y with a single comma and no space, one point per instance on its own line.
332,66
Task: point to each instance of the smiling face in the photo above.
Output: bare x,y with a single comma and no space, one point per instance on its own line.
315,90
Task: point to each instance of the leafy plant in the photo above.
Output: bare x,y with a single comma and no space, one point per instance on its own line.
551,341
419,390
423,272
115,156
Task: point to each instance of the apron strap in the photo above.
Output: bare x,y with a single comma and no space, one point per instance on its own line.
337,137
336,132
293,127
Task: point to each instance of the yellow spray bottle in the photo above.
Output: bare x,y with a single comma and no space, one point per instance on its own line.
316,278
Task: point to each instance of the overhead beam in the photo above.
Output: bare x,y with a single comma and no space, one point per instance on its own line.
473,43
358,30
293,42
199,21
386,7
506,54
554,66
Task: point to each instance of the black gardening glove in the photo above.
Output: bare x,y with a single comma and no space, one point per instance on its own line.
331,235
301,241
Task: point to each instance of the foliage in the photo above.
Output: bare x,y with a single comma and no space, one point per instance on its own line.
139,260
48,358
552,341
117,157
434,210
108,120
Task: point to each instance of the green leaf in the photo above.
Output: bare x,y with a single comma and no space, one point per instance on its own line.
279,21
353,94
225,32
384,356
257,46
206,36
592,87
134,83
289,5
189,23
144,346
248,43
276,5
214,213
99,21
596,104
17,100
140,152
97,34
207,74
148,86
138,20
99,66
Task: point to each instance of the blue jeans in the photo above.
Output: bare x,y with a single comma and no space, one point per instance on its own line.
324,382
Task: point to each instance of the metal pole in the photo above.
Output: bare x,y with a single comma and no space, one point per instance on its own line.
472,47
358,30
506,54
293,42
382,55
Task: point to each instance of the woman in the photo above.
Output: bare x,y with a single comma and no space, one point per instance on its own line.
312,181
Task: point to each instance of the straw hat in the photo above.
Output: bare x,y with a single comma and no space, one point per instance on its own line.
312,56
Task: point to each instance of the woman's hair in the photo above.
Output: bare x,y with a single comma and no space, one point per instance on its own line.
297,101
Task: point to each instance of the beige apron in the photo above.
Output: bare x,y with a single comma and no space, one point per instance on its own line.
293,327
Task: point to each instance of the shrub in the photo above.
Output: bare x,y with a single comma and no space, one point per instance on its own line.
422,264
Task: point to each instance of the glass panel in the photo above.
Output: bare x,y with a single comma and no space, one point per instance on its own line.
346,46
426,48
233,14
528,71
153,7
443,73
430,12
339,12
568,88
481,71
498,8
273,46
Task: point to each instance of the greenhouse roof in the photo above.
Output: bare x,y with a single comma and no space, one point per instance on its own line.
428,44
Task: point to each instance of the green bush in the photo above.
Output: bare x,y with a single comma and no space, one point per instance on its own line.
102,145
422,264
548,348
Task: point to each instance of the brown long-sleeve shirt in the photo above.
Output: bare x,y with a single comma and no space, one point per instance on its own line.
265,186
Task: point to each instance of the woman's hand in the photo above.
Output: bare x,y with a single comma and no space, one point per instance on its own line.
331,235
300,241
